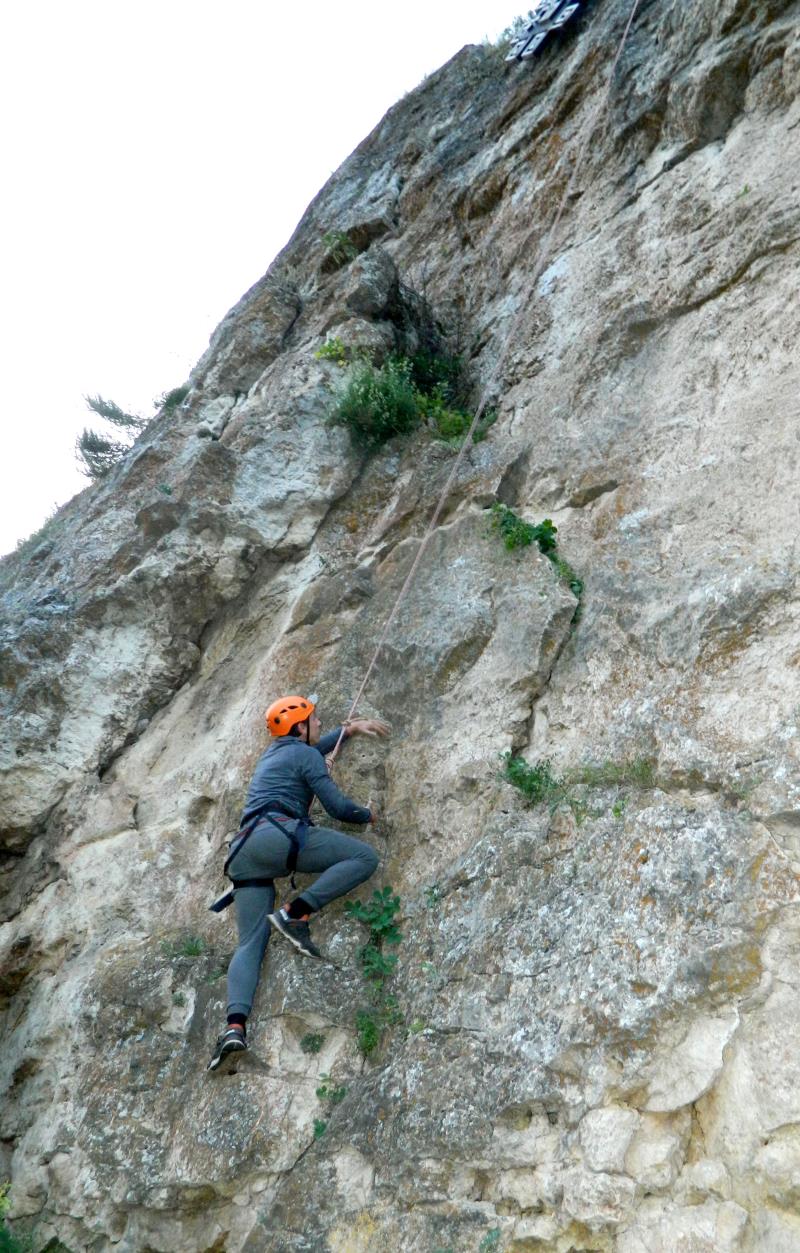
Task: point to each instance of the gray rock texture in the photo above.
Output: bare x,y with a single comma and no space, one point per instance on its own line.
590,1040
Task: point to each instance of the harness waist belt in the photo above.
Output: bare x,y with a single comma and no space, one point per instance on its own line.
296,838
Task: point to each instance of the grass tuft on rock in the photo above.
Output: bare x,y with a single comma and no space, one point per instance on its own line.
312,1042
539,784
339,249
536,782
184,946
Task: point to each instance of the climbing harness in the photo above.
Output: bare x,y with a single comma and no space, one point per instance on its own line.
499,363
296,838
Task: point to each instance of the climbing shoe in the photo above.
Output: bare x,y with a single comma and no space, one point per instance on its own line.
231,1041
296,931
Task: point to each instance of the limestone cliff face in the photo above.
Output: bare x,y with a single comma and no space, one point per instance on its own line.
595,1039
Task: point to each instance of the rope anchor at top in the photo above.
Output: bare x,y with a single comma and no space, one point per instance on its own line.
546,17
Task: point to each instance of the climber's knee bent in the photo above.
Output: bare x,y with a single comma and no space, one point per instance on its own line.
344,861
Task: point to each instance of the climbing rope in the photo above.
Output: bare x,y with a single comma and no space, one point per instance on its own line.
538,270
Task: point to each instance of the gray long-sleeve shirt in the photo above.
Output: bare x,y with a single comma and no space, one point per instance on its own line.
288,776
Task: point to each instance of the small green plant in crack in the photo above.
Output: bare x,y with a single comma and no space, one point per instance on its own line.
441,387
516,533
178,999
440,374
567,575
331,1094
185,946
741,786
367,1032
376,965
9,1241
379,915
339,247
329,1091
371,1023
312,1042
536,782
433,894
450,424
334,350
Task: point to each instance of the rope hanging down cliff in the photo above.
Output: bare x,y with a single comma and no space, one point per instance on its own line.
538,270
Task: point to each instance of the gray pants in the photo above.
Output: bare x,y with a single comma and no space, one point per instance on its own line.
344,862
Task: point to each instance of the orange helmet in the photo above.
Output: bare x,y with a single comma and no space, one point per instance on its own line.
286,712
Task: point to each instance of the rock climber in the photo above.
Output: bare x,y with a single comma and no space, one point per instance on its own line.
277,836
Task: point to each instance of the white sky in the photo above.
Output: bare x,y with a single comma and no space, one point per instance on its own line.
157,154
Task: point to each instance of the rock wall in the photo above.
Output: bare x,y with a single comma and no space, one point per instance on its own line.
592,1042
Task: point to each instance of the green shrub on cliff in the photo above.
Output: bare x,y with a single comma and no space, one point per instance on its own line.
98,453
377,402
378,914
312,1042
184,946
